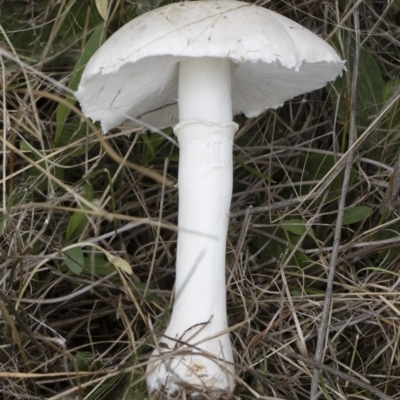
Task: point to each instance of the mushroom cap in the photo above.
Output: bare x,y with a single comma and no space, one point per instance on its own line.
133,77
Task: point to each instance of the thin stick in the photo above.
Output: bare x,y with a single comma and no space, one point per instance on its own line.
275,206
326,313
153,261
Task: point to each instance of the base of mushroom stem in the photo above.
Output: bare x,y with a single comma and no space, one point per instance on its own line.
193,395
193,375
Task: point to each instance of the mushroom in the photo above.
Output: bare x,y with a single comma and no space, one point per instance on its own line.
193,65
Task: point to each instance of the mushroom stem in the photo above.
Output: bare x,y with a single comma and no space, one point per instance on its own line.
205,191
202,353
205,135
205,90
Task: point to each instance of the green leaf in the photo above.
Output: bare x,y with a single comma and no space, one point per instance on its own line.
280,241
96,264
72,131
396,5
74,260
75,224
251,169
355,214
392,252
78,220
393,117
25,146
294,225
152,142
174,158
83,361
150,148
317,166
302,260
370,86
63,111
3,219
149,296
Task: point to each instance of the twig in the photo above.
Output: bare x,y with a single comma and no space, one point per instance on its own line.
276,206
66,297
326,313
153,261
345,18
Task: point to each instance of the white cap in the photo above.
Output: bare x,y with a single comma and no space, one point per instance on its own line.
135,73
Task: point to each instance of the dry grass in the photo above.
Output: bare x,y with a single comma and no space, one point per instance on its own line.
67,335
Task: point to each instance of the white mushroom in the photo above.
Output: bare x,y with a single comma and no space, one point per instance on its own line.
193,65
